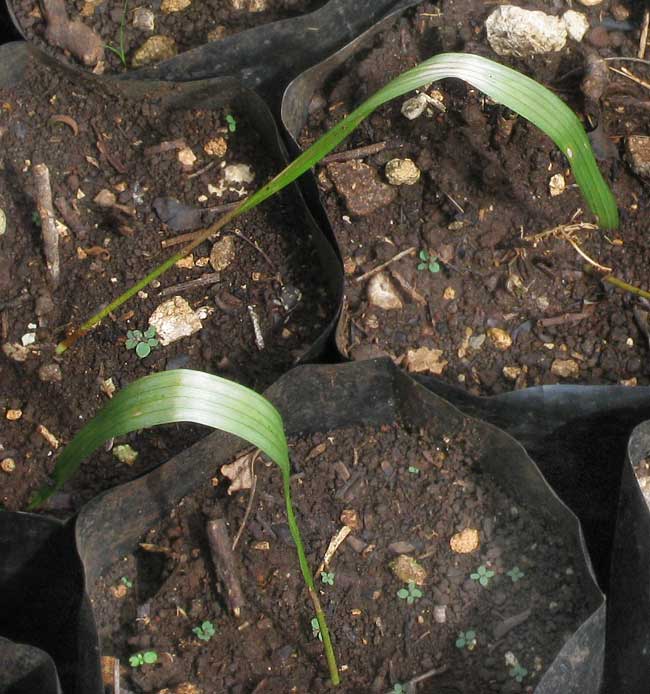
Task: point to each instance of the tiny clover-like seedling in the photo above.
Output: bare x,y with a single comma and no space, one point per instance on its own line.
327,577
315,629
414,470
232,123
516,574
411,593
428,262
398,689
205,631
466,639
518,672
482,575
143,343
145,658
126,582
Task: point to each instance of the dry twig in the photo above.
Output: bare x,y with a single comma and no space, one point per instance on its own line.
379,268
643,41
43,191
224,563
203,281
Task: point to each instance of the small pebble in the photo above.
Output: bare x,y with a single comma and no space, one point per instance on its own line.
402,172
223,253
50,373
13,415
143,19
500,338
8,465
125,454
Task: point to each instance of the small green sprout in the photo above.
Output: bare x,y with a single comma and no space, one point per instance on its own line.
429,262
414,470
125,581
399,689
516,574
466,639
410,593
482,575
121,51
205,632
327,577
36,218
518,672
146,658
315,629
143,343
232,123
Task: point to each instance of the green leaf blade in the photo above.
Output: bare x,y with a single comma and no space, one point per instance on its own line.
173,396
519,93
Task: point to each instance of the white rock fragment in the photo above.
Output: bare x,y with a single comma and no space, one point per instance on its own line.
216,147
143,19
174,319
638,153
512,373
565,368
238,174
577,24
153,50
223,253
249,5
440,614
28,339
590,3
500,338
521,33
3,222
382,293
16,352
186,157
105,198
402,172
425,359
170,6
415,106
125,454
557,185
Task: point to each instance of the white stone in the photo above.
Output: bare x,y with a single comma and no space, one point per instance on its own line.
557,185
565,368
239,173
143,19
170,6
186,157
577,24
415,106
174,319
638,154
590,3
222,253
382,293
425,359
402,172
513,31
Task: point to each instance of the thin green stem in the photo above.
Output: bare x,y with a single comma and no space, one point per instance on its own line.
616,282
309,579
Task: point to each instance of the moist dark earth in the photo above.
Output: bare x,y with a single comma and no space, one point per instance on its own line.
508,305
106,148
403,492
189,25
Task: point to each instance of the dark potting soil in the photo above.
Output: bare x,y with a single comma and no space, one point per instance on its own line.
502,309
112,250
189,24
404,493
